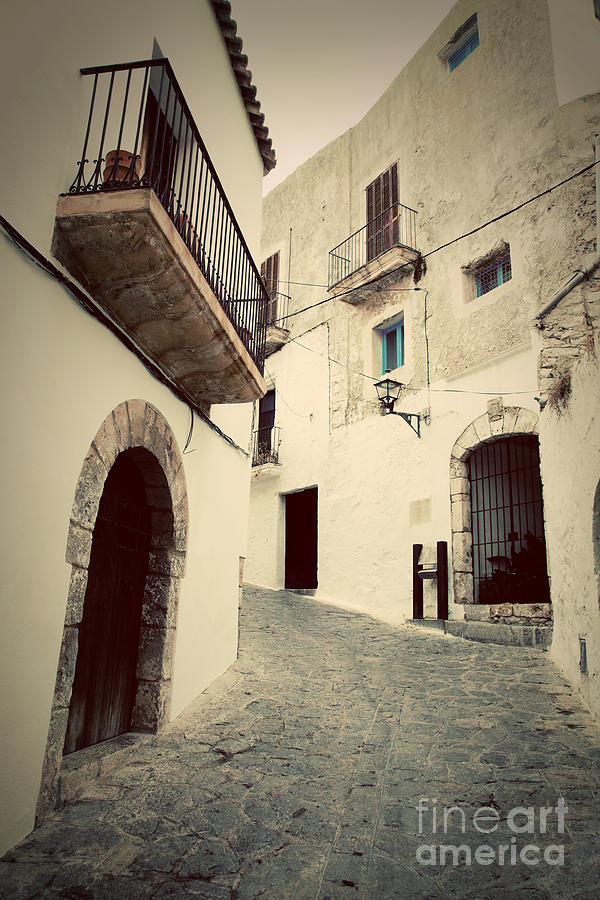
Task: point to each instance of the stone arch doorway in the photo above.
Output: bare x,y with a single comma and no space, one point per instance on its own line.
104,684
498,423
134,445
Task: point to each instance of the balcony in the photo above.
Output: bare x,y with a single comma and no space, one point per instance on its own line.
378,248
147,229
265,447
277,330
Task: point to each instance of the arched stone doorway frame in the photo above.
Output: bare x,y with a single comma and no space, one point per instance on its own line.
496,422
139,428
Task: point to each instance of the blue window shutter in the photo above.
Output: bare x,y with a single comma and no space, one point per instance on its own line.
461,54
401,343
392,347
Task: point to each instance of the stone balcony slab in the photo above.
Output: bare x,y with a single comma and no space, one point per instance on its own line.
125,250
358,286
276,338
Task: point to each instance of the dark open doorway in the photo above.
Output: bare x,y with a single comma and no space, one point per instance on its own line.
105,675
301,539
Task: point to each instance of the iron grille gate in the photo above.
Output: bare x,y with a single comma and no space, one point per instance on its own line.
507,521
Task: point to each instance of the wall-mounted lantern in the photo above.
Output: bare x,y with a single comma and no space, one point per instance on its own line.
388,392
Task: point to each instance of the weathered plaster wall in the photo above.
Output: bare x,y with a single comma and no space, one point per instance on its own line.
570,440
464,156
63,372
470,145
381,488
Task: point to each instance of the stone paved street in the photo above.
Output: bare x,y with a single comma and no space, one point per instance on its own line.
297,775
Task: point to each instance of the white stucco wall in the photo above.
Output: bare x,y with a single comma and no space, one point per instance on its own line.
66,373
467,151
62,372
570,442
369,474
45,100
576,48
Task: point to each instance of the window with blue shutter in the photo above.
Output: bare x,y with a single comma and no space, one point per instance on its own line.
392,347
461,44
461,54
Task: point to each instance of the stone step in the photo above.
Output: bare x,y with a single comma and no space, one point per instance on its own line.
539,637
81,768
438,624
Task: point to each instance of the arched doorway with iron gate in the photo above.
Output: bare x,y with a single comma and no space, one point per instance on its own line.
507,522
499,570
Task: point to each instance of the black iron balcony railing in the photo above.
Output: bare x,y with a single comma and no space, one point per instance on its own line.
141,133
265,445
278,309
395,227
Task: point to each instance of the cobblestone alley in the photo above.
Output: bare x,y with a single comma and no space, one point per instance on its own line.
299,773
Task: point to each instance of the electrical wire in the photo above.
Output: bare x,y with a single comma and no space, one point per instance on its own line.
189,437
455,240
433,390
33,255
280,396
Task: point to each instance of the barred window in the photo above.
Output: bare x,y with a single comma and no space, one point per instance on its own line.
489,273
461,44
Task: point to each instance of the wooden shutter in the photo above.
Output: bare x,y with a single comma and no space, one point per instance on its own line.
269,272
382,226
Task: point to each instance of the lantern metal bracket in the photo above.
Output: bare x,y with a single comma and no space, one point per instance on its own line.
413,420
388,392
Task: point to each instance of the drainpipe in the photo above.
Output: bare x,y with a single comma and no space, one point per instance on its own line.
594,263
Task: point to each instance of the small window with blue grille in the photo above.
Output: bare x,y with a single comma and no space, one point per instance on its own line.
461,44
392,347
489,273
461,54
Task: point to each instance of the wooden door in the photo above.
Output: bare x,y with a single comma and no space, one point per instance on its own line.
104,684
301,539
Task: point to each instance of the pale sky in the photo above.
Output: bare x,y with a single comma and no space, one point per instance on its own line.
319,65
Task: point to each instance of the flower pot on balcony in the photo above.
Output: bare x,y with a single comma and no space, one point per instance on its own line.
118,169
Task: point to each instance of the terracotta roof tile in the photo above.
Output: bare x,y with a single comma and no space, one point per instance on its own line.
239,64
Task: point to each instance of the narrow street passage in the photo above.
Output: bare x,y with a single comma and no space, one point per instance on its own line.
338,758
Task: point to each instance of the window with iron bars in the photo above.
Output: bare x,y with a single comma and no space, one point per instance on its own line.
490,274
462,43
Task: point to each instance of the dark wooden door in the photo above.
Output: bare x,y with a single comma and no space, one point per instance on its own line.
301,539
104,684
